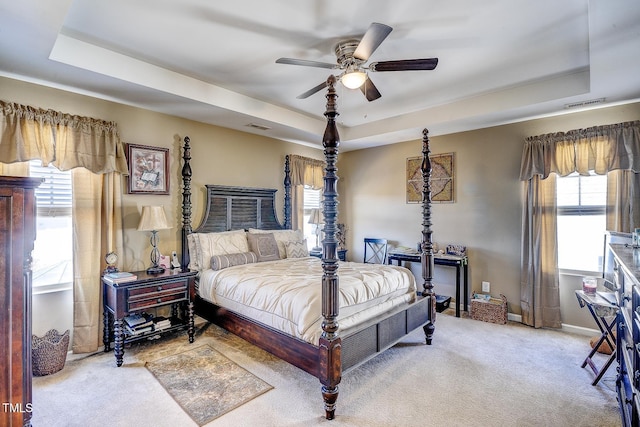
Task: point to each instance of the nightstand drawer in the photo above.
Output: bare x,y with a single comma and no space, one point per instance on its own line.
158,288
149,301
158,294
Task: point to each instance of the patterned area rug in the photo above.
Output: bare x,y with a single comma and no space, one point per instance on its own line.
205,383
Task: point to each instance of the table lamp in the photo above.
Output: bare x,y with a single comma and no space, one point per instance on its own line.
317,219
153,219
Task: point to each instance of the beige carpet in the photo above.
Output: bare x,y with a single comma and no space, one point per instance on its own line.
205,383
475,374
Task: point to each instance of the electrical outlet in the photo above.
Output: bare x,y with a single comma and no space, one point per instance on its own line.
486,287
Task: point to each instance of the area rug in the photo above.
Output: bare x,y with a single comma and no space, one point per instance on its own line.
205,383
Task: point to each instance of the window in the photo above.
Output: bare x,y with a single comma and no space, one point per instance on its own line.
581,221
311,200
53,250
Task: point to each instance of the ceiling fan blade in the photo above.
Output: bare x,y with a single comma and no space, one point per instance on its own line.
405,65
306,63
312,91
375,35
370,90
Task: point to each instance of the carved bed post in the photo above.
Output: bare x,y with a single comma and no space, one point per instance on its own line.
186,201
330,342
287,193
427,244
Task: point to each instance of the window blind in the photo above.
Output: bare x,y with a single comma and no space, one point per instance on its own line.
54,195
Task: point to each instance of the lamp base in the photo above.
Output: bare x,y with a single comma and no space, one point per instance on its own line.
155,270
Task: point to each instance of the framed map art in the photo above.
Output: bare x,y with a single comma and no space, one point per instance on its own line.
442,178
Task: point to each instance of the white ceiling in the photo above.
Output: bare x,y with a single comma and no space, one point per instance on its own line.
501,61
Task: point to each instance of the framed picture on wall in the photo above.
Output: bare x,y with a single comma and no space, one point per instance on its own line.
148,169
442,178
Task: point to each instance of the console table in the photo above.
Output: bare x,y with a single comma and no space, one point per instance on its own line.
461,263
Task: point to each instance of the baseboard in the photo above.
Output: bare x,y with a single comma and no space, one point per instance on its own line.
514,317
580,330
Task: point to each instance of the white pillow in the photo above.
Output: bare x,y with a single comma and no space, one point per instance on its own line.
282,236
207,245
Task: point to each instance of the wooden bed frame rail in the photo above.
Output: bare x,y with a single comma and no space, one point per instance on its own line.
334,353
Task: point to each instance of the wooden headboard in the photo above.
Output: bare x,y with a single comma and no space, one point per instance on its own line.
232,208
235,208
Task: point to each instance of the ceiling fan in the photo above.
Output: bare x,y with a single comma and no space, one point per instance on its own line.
352,54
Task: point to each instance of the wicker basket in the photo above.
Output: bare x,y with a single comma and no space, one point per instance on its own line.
493,311
49,353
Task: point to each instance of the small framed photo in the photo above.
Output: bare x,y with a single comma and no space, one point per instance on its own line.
148,169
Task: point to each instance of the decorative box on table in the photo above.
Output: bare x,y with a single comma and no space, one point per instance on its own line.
492,310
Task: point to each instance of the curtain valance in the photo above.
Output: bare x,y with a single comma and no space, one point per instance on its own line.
67,141
599,148
307,171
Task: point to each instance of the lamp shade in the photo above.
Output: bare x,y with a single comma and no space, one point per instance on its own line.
316,216
153,218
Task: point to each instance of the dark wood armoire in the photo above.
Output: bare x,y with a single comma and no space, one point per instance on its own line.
17,234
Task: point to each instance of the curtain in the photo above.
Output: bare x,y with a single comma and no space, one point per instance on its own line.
610,149
92,150
304,171
623,200
539,286
97,229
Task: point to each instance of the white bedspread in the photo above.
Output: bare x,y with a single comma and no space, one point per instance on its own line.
287,294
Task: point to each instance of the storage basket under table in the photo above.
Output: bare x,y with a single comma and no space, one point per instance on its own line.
493,311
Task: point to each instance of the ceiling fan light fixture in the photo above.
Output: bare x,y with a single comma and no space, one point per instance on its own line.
354,79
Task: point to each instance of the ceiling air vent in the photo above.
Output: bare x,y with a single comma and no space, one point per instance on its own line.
256,126
584,103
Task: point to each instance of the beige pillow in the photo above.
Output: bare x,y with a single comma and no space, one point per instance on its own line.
207,245
264,246
297,249
281,236
218,262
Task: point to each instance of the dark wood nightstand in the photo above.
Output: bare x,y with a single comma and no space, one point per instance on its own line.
149,291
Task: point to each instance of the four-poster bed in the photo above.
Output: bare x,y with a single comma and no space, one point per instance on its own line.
326,344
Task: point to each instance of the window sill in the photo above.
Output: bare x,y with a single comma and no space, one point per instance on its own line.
580,273
53,287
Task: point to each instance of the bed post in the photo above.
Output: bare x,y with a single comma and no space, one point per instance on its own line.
186,201
427,244
330,343
287,193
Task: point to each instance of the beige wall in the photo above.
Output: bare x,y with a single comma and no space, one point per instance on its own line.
486,216
219,156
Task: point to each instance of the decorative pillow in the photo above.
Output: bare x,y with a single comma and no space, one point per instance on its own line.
208,245
297,249
264,246
281,236
218,262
